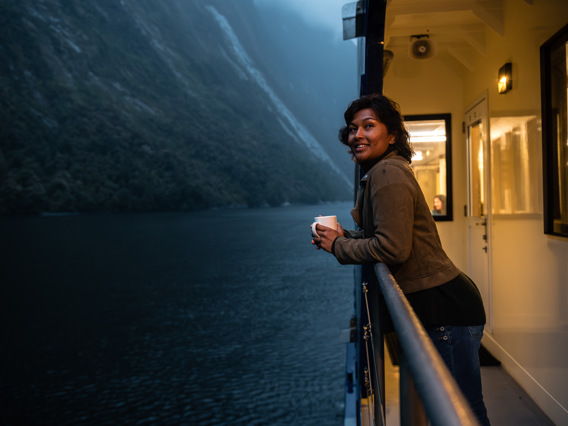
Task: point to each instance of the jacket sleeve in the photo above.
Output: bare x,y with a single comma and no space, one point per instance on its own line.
351,233
392,197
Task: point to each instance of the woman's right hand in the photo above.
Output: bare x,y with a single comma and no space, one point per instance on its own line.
327,236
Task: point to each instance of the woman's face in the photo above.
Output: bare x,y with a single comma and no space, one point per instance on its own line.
368,137
437,203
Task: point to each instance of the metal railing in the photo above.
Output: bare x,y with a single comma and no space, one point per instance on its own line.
428,392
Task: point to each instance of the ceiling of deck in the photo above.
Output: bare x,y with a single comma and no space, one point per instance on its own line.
458,27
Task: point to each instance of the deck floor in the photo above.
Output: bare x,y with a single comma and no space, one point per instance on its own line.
507,403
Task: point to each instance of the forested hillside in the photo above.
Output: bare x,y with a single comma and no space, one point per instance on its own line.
139,105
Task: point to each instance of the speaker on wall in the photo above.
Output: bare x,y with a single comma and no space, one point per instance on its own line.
421,47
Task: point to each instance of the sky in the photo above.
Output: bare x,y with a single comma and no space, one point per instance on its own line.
322,13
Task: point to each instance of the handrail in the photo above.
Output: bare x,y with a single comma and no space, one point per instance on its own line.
442,399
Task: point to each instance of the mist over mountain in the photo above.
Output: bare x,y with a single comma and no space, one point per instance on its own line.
138,105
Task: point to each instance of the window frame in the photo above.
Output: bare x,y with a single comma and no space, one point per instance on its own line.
551,190
447,118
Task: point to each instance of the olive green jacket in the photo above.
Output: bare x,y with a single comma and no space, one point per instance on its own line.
397,229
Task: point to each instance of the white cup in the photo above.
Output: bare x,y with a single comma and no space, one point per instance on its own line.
329,221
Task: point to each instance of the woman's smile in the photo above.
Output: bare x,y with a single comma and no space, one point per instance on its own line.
368,136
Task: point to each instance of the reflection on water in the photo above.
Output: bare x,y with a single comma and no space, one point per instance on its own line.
223,317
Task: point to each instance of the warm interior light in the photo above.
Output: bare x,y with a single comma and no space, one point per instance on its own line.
423,139
417,156
505,82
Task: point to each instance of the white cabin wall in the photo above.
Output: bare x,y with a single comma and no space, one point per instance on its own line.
529,268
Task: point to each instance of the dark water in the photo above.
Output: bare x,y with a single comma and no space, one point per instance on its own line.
211,318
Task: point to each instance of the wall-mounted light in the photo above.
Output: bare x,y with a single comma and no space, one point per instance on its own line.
505,82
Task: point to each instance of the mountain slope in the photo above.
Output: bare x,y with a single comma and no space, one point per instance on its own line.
141,105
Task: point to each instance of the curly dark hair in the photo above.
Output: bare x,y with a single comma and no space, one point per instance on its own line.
388,113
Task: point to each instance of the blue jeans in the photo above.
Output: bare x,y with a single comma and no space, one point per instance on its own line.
459,348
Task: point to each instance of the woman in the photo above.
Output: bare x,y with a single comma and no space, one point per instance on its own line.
397,228
439,205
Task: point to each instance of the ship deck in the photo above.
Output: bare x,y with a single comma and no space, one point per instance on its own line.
507,403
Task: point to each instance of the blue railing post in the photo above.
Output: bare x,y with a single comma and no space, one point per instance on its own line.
377,310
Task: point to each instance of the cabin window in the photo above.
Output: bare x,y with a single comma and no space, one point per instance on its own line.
515,165
431,139
553,58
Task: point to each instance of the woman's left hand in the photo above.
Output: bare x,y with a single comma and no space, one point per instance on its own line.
326,236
